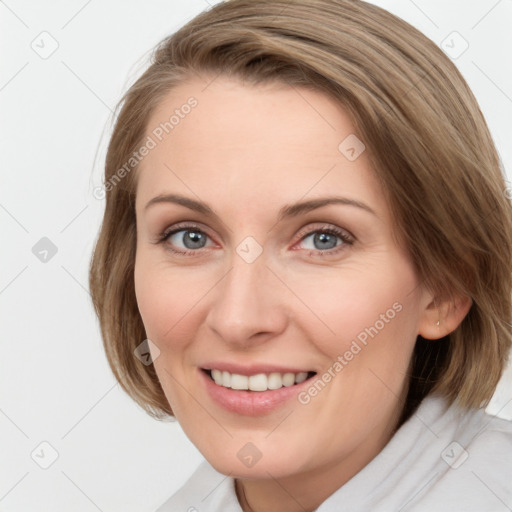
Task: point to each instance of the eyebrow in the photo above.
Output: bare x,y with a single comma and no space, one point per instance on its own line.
286,211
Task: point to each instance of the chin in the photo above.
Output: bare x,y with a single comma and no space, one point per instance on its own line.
250,462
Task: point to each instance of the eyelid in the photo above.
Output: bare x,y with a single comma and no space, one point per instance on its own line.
184,226
347,240
325,226
344,235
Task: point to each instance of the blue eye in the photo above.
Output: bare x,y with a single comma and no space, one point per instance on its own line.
322,240
188,240
190,237
326,241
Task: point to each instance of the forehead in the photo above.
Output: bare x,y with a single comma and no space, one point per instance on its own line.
272,141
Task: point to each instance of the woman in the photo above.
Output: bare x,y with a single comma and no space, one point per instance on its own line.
305,259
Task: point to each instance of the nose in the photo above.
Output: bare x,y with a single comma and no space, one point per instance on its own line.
247,306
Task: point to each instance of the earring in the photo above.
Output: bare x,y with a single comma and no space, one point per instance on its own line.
437,323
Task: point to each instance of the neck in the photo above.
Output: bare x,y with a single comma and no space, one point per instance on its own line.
306,491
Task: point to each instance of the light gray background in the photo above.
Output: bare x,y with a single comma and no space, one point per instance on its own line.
55,385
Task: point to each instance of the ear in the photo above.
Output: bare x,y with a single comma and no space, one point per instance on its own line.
441,317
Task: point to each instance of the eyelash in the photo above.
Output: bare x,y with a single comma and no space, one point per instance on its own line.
330,230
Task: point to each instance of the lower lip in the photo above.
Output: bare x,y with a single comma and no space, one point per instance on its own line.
250,403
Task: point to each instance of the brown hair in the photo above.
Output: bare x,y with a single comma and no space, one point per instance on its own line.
428,142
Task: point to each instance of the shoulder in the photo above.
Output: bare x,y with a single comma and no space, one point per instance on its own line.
206,490
443,458
474,469
485,440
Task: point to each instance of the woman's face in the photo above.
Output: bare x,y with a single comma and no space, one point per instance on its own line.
276,260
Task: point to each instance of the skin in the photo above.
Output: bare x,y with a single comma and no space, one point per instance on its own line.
247,151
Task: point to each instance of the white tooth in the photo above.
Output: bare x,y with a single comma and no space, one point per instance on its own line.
258,382
275,381
288,379
239,381
226,379
217,376
301,377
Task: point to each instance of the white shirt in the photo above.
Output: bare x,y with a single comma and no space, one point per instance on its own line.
441,459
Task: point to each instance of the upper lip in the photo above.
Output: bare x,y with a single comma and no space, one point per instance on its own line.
253,369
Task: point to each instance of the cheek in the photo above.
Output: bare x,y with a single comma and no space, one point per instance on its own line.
168,302
367,331
152,299
165,304
359,305
156,302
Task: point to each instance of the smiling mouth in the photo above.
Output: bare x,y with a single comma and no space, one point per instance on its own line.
258,382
